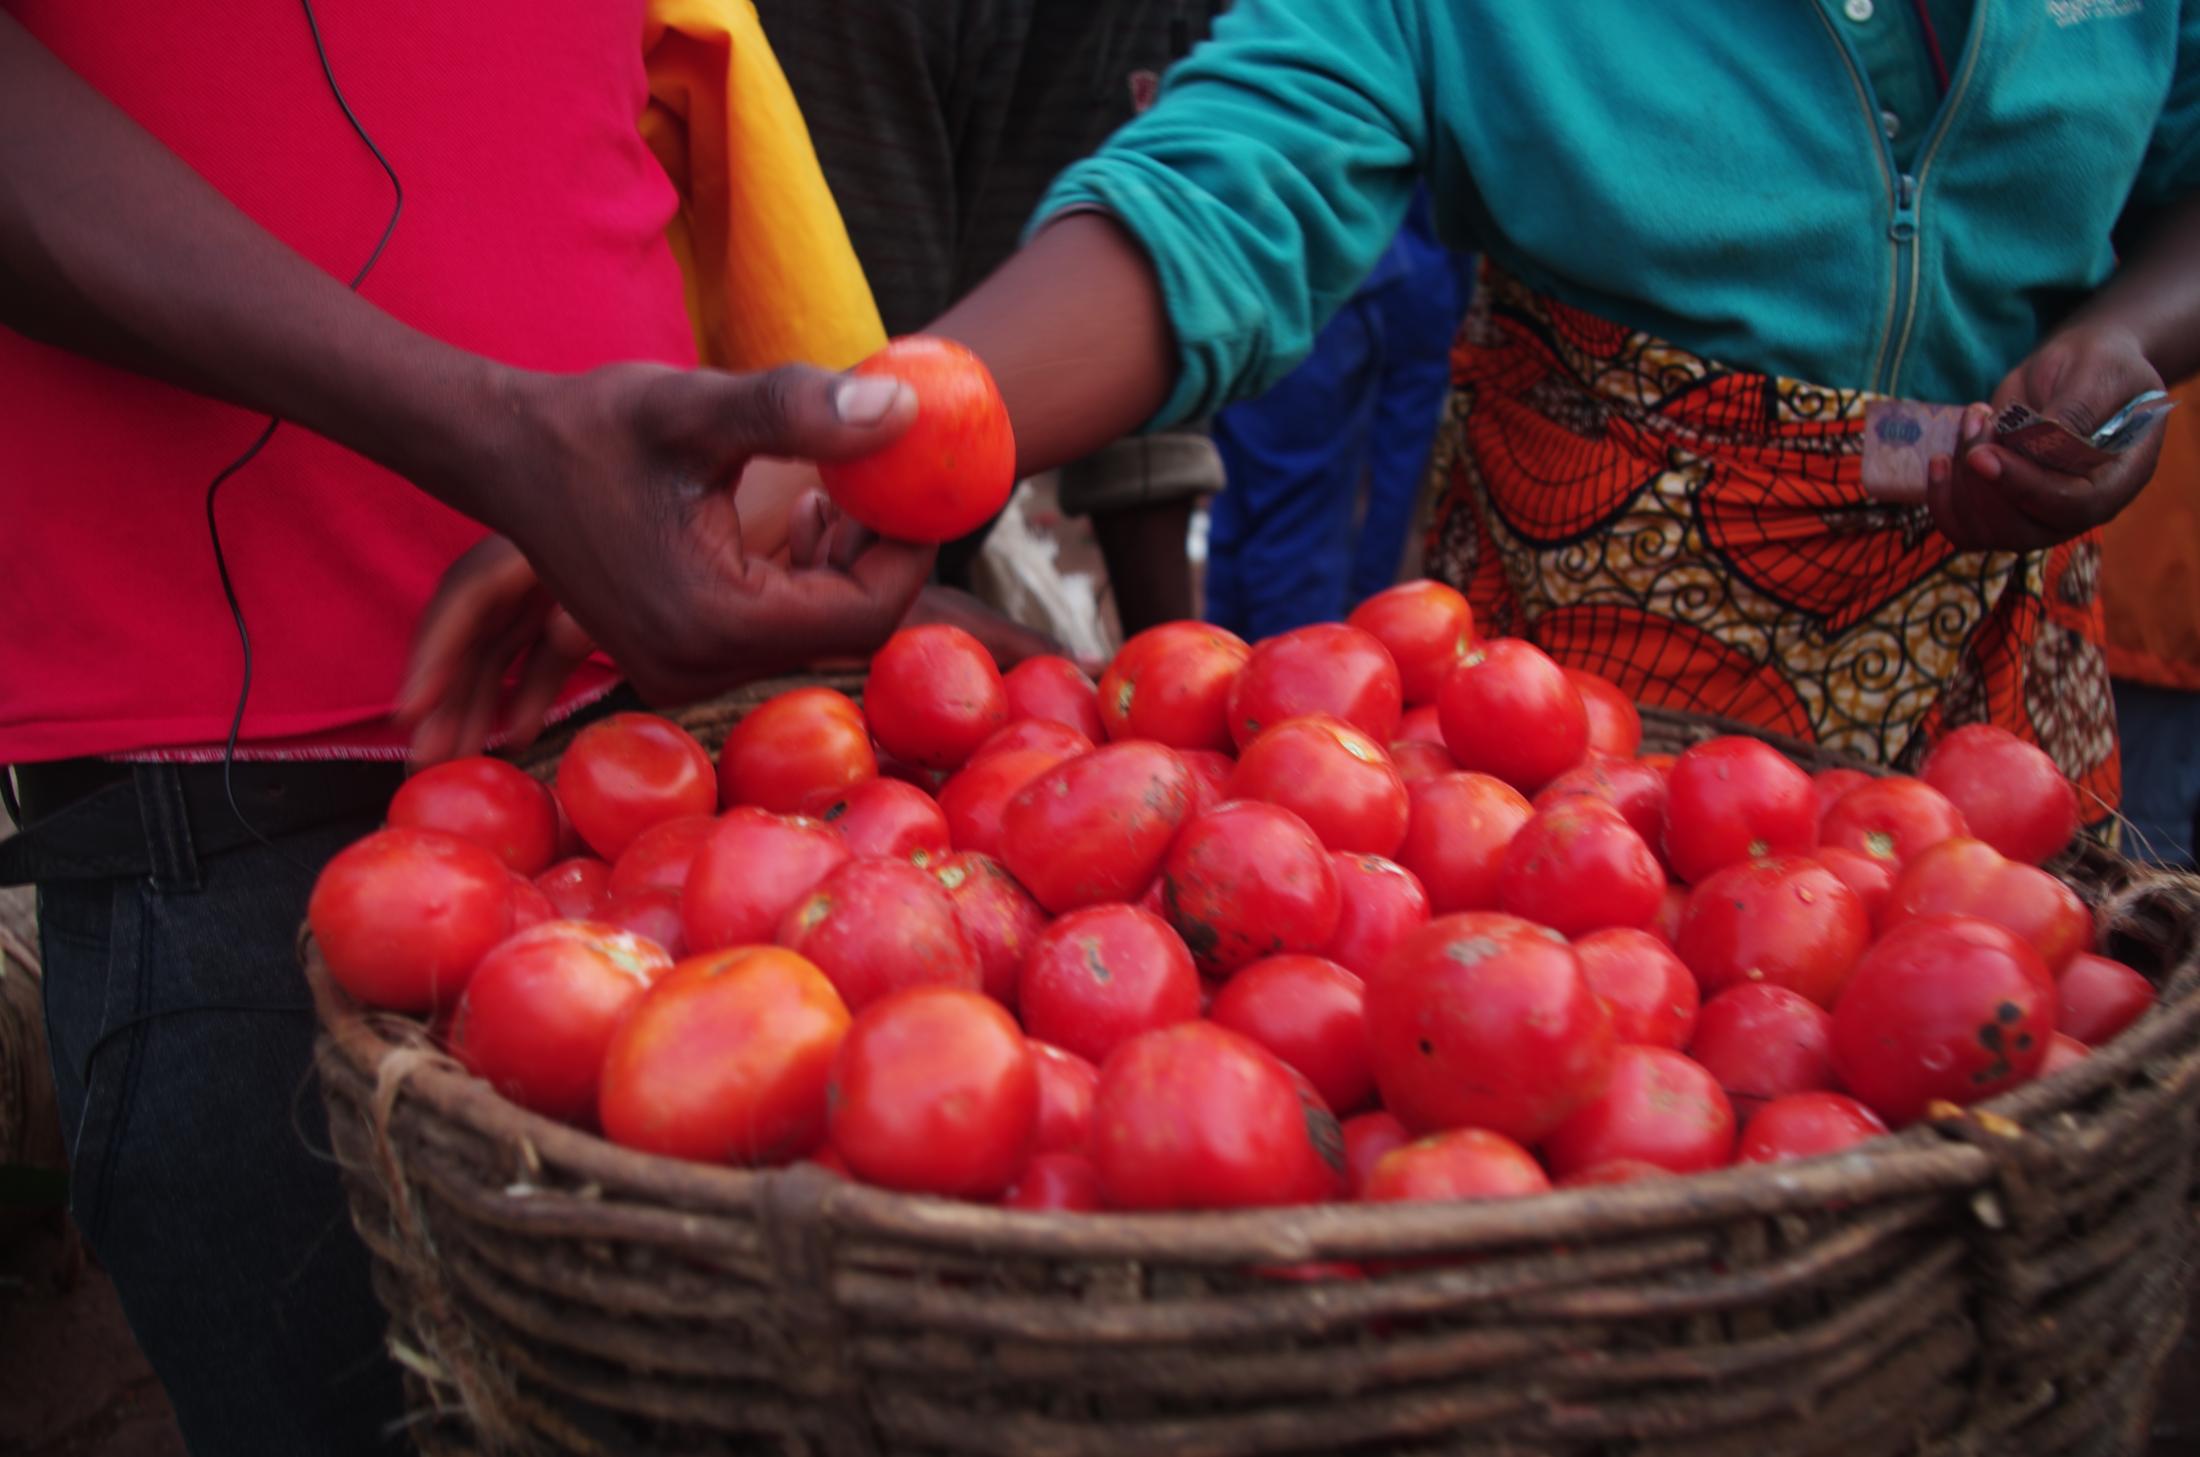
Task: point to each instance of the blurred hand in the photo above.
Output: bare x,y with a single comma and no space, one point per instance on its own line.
623,529
1988,497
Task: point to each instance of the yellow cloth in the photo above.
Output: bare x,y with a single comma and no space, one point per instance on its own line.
771,276
2150,563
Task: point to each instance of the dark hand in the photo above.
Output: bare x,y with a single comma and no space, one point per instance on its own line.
617,491
1988,497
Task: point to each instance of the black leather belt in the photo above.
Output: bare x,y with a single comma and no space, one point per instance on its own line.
95,819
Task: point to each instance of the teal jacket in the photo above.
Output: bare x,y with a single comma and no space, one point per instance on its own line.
1714,172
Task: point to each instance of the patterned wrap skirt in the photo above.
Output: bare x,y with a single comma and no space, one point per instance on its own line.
1698,535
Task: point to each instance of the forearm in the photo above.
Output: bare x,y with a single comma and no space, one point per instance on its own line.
112,248
1074,331
2155,293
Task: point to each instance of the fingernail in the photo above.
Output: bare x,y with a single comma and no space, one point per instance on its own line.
1984,464
865,401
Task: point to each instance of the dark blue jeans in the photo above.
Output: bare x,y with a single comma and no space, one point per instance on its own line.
182,1036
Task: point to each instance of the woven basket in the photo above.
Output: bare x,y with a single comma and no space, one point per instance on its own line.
2004,1283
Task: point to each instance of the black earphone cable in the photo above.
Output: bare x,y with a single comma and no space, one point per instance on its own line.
274,422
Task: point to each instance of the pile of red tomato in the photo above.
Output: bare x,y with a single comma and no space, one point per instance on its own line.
1141,945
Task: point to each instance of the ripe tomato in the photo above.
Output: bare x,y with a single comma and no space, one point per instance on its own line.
1666,924
2099,998
486,801
1422,724
876,927
1788,922
934,1092
1660,1106
1309,1012
1763,1042
1095,829
1463,1163
1211,773
1577,867
1248,880
530,907
832,1163
1366,1139
1327,667
1870,877
1615,725
884,818
750,872
1058,739
974,801
1378,902
934,695
2063,1051
1054,690
2011,794
725,1060
652,913
1171,684
577,888
1634,787
1100,976
539,1012
998,917
1456,836
1649,992
952,469
1831,784
1509,711
1427,628
1614,1171
1415,760
1060,1182
1485,1021
792,747
1330,775
662,855
1942,1008
1971,878
1894,819
1200,1117
627,772
1733,799
1805,1125
1066,1085
403,916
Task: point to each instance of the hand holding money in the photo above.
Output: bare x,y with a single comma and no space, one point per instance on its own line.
2071,436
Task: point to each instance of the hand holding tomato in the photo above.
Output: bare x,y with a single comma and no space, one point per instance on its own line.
621,528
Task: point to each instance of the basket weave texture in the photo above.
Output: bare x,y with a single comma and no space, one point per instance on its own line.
2006,1282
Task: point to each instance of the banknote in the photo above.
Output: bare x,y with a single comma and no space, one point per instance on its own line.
1900,438
2058,447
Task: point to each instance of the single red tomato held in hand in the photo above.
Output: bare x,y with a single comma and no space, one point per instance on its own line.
951,471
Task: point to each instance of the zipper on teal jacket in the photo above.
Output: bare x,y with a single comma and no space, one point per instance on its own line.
1903,193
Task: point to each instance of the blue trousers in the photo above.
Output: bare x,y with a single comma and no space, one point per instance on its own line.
181,1033
1324,470
2160,728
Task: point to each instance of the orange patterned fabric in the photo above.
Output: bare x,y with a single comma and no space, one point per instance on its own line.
1698,535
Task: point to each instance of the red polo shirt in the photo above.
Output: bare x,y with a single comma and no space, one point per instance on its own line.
533,232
